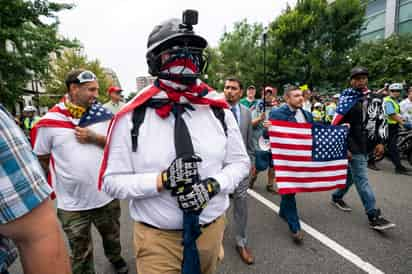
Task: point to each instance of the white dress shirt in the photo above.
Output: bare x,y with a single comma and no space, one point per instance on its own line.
133,175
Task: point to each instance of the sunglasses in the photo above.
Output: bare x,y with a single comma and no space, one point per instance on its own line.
86,76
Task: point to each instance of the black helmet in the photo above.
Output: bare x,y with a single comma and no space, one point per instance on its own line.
171,36
358,71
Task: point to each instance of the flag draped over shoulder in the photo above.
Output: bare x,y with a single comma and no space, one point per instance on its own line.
60,117
308,157
347,100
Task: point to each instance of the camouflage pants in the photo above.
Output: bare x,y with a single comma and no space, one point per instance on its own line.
77,226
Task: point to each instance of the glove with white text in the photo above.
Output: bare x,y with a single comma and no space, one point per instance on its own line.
182,171
195,197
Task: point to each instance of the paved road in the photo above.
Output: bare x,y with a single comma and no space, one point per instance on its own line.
269,239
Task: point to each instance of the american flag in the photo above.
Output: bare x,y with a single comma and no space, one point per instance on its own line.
308,157
347,100
60,117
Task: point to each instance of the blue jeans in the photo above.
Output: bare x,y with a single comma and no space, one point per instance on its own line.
358,174
289,212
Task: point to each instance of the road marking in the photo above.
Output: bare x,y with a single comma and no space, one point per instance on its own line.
345,253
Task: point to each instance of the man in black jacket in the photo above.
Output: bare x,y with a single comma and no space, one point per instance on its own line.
352,109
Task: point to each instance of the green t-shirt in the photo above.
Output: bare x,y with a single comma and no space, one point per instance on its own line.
247,103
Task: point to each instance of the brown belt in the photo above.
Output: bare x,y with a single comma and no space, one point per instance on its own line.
155,227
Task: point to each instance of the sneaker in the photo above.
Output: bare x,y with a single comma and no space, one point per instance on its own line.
380,223
121,267
373,166
402,170
341,205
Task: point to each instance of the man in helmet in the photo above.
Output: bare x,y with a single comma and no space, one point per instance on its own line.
115,103
352,109
176,152
30,119
394,120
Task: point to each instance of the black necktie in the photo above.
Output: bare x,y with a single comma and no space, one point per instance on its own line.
183,141
191,226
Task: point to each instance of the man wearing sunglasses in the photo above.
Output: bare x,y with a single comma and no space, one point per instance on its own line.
69,142
115,103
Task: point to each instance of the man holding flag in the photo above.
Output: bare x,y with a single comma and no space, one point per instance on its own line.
176,152
292,112
352,109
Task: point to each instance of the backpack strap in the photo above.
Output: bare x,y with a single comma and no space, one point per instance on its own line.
220,115
137,119
140,112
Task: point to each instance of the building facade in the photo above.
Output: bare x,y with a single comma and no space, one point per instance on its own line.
385,17
143,81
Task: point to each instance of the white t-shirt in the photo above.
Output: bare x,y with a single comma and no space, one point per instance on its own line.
76,167
406,110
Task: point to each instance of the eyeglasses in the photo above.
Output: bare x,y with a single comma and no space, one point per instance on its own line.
86,76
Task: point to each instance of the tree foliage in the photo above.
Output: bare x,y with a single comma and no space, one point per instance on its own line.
305,44
239,54
311,41
28,34
388,60
69,60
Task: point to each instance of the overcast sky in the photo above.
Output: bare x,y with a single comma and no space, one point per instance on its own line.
115,32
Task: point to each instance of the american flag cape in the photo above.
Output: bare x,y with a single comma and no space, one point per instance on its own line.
308,157
60,117
347,100
211,98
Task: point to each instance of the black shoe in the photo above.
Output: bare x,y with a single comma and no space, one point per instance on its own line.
342,205
380,223
297,237
402,170
373,167
121,267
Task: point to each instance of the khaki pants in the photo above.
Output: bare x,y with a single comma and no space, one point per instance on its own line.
161,251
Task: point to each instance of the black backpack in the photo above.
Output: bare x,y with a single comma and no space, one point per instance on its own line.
139,114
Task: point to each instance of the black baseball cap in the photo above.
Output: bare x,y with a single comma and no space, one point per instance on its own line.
358,71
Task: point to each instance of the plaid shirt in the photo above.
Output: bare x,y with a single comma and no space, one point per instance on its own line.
22,182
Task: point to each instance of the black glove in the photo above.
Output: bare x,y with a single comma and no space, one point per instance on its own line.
181,172
195,197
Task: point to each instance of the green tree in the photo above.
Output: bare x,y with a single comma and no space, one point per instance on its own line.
28,34
311,41
239,54
69,60
388,60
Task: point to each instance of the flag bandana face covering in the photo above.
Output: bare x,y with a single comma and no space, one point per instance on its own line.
183,61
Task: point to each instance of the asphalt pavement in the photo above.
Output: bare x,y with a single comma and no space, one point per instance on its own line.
335,241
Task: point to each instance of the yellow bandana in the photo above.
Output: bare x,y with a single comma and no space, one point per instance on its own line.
75,111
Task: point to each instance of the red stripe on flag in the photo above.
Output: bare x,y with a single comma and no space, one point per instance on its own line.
310,179
283,191
291,146
292,158
290,135
310,169
290,124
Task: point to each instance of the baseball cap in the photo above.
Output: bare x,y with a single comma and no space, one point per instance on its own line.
114,89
